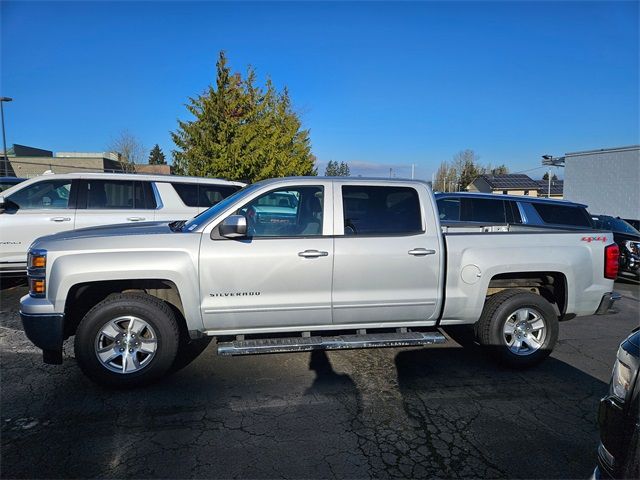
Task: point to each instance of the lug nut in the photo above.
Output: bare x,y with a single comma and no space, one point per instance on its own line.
121,349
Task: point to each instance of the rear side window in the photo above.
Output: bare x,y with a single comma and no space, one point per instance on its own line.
372,210
118,195
195,195
563,215
482,210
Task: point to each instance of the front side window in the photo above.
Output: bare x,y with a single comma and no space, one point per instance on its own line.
291,212
370,210
49,194
115,195
449,209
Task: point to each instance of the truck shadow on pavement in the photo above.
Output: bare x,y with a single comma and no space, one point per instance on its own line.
480,419
412,413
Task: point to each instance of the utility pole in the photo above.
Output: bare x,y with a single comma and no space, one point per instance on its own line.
5,160
549,180
413,171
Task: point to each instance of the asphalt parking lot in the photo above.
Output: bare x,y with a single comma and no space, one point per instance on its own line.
416,412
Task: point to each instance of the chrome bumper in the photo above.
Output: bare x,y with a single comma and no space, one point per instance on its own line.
607,302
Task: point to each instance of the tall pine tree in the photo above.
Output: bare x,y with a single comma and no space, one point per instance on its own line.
335,169
242,131
156,156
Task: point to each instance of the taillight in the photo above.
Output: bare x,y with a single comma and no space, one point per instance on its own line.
611,253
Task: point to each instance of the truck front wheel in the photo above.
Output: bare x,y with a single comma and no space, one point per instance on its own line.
127,340
518,327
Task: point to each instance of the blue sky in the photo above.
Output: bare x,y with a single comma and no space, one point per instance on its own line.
379,85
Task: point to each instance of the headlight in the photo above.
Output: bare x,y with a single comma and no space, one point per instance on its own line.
633,247
36,260
36,272
621,380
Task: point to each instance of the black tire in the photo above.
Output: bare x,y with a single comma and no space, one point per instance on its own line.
161,328
498,309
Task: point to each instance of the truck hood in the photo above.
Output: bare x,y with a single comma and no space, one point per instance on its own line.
119,230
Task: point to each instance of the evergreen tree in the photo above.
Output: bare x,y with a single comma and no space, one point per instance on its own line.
156,156
242,131
501,170
546,177
344,170
335,169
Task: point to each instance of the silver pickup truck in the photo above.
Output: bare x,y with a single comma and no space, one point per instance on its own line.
298,264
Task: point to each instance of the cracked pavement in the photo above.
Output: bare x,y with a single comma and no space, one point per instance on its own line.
441,411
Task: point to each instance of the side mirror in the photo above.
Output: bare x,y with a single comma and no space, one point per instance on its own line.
234,226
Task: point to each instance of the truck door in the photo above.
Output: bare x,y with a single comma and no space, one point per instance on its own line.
387,254
280,274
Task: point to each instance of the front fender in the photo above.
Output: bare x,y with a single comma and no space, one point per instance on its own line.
178,267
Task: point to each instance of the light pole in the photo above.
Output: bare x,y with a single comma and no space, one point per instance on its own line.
548,160
5,162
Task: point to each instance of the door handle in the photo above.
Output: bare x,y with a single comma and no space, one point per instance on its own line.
60,219
421,252
312,254
135,219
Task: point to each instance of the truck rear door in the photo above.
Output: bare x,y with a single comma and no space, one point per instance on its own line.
387,254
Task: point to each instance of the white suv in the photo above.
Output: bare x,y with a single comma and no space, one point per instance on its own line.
56,202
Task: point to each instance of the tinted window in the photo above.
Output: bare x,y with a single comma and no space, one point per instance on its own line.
46,194
381,210
294,212
194,195
482,210
449,209
115,195
512,212
563,214
606,222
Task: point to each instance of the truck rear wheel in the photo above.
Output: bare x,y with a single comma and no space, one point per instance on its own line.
518,327
127,340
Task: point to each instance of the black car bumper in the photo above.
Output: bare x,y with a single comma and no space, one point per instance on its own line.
45,332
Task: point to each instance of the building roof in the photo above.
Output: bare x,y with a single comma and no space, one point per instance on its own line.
603,150
510,181
557,187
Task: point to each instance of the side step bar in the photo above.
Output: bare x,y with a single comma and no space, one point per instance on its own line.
305,344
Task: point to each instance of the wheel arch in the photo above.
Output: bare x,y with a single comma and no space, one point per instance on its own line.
552,286
81,297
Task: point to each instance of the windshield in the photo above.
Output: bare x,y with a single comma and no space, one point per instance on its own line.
209,214
614,224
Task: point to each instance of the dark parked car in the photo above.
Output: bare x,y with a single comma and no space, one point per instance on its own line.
618,416
7,182
635,223
627,238
460,207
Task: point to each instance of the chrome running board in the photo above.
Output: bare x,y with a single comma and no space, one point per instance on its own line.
307,343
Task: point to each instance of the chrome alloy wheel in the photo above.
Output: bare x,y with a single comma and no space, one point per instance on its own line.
126,344
525,331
